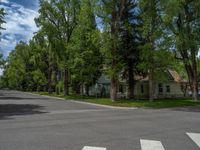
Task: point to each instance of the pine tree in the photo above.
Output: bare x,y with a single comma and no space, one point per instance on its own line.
130,40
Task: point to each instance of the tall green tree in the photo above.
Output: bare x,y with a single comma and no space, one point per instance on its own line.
17,68
154,54
111,14
25,67
182,19
58,20
85,56
151,28
130,39
40,62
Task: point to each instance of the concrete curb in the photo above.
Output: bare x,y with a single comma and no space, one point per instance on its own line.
45,96
105,106
87,103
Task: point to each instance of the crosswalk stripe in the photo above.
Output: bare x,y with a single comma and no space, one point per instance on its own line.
93,148
151,145
195,137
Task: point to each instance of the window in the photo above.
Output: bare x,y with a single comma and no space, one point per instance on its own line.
160,87
168,89
142,88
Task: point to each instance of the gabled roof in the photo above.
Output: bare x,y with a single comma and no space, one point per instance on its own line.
174,74
103,80
141,78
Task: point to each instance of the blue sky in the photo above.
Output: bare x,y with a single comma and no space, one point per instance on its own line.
20,23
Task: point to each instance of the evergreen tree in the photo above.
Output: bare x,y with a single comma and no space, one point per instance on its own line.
130,41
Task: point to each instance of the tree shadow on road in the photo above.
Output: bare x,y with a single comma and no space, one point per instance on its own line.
188,109
4,98
9,110
14,98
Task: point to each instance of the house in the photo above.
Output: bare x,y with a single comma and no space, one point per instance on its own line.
169,86
102,83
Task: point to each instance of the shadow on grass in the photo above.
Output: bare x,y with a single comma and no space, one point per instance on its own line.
9,110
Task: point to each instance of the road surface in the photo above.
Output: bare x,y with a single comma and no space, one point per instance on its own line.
32,122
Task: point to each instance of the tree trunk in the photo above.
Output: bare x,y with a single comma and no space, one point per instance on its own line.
113,89
194,90
192,76
50,80
76,88
66,82
194,81
189,54
151,90
131,84
56,82
57,91
87,89
82,89
114,52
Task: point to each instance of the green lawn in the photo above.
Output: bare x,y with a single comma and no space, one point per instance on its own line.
164,103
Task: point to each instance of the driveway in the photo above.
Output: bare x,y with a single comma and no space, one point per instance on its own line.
32,122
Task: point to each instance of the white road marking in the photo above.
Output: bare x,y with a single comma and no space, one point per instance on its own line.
93,148
195,137
151,145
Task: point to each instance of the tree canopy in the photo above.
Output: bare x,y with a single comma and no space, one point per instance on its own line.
78,41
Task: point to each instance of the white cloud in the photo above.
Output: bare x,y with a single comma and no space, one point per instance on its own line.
8,44
4,1
19,25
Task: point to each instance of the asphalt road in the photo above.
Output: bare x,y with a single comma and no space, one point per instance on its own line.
32,122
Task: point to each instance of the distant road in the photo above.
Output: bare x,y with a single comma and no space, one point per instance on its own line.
33,122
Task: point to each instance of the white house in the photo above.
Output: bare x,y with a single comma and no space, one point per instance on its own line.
171,87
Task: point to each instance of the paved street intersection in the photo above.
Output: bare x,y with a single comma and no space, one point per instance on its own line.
32,122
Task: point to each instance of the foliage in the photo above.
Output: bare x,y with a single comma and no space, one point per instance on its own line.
182,21
77,41
58,20
85,58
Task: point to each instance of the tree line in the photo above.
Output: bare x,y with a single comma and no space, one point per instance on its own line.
78,40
